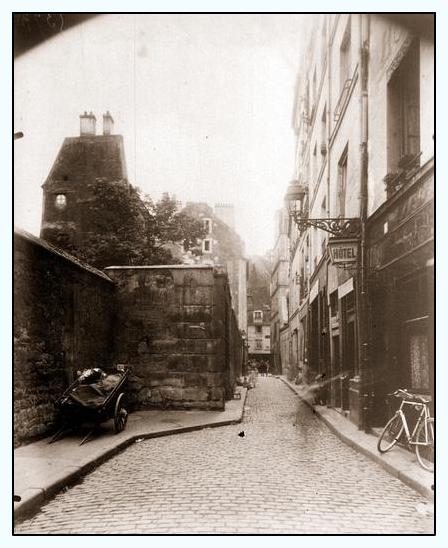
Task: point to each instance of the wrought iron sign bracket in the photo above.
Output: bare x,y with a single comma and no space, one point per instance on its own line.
339,227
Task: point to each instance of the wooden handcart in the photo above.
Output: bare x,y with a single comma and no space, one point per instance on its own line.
92,403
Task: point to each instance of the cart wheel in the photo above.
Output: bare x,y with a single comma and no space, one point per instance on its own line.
120,415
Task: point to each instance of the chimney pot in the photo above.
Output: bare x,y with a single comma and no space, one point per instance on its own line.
87,124
108,123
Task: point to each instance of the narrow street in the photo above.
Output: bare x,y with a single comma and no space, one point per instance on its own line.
288,474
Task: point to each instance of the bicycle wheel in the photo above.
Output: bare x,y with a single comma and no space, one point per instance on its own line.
425,453
391,434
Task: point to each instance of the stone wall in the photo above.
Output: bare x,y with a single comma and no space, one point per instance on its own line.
175,327
63,312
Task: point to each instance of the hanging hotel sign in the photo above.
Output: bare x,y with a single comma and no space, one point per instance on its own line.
343,251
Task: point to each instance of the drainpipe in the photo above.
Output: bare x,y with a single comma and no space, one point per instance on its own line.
330,371
363,320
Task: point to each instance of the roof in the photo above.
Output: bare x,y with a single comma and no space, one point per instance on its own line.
30,238
89,157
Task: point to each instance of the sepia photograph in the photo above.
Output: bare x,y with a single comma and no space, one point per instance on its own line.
223,273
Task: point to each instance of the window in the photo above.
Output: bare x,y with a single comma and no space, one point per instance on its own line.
315,163
342,181
350,301
344,57
207,246
258,329
307,101
323,133
334,304
259,344
323,43
61,201
258,314
208,225
403,110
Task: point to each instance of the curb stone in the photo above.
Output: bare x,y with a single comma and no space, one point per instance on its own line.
33,498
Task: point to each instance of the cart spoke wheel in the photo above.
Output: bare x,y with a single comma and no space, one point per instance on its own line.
120,415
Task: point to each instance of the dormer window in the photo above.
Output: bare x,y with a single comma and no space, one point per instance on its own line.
61,201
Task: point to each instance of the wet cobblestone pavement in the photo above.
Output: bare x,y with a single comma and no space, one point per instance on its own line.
288,474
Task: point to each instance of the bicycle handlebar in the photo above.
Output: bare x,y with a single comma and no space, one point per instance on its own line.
402,393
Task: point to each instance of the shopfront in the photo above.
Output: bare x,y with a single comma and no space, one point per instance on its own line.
401,255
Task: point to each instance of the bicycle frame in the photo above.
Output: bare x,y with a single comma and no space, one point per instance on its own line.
423,415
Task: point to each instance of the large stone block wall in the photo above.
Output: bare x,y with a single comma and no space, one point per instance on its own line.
63,313
174,328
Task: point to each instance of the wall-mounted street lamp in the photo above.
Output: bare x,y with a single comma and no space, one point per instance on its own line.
340,227
346,249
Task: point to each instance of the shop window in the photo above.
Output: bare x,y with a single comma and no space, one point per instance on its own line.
418,355
350,301
334,304
403,111
61,201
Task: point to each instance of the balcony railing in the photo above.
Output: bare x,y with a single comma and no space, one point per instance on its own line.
407,168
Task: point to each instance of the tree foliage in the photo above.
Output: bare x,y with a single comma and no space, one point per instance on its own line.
123,228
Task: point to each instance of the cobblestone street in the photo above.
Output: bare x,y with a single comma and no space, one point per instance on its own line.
287,474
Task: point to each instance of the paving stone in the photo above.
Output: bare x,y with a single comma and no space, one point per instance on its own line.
289,474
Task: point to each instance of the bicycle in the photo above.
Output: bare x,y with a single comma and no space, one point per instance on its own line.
422,436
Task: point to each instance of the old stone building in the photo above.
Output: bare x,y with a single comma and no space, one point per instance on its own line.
222,246
176,326
173,325
69,187
362,315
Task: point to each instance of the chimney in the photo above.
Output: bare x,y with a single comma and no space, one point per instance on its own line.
87,123
108,124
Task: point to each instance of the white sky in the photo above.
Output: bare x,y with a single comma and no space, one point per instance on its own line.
204,102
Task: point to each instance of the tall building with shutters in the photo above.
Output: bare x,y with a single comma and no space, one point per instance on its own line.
364,123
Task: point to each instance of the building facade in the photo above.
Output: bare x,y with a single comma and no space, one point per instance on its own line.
69,187
222,246
364,124
259,311
279,286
